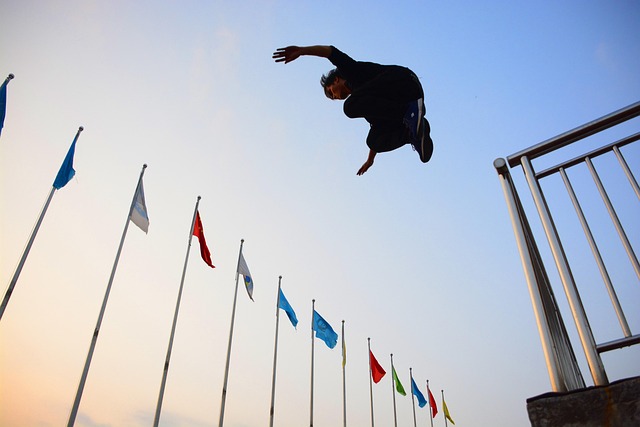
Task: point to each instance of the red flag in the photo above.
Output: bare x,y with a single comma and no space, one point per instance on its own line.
198,231
376,370
432,404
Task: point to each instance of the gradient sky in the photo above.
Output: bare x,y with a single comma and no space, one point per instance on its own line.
421,258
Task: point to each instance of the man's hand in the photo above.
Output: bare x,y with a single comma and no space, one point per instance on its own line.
291,53
287,54
368,163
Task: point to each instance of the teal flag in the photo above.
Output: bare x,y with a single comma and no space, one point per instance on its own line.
416,392
324,331
284,304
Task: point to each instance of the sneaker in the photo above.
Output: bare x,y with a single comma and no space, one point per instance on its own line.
423,143
413,116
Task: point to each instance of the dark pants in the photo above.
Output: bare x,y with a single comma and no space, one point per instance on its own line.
383,102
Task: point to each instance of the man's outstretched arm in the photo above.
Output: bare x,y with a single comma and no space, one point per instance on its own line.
368,163
291,53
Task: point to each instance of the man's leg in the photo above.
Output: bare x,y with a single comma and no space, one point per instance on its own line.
385,137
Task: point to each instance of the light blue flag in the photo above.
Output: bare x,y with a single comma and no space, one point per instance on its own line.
66,171
324,331
284,304
416,392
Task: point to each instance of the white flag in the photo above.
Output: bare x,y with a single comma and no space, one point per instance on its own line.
244,270
139,212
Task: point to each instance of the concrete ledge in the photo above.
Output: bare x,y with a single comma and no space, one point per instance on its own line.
614,405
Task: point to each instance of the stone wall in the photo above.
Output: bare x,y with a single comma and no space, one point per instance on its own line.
614,405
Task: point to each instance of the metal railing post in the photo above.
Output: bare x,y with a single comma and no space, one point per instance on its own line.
575,303
511,197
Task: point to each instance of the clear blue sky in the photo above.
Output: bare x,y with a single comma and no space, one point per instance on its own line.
421,258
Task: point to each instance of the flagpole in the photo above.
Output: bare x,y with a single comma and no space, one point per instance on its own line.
233,315
344,380
430,408
275,356
393,391
175,321
445,415
23,259
370,381
413,402
83,378
313,309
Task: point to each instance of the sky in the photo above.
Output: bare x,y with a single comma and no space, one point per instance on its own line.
420,258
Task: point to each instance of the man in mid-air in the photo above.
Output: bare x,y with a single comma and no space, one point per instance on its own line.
389,97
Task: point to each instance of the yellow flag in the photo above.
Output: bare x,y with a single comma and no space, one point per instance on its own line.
344,352
446,411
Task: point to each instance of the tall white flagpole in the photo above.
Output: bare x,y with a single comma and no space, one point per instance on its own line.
393,391
344,379
429,401
313,309
165,371
233,315
413,401
22,261
370,380
94,339
275,356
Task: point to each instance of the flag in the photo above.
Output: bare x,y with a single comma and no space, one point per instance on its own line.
3,101
198,231
324,331
446,411
139,212
244,270
66,171
284,304
416,392
344,351
396,380
376,370
432,404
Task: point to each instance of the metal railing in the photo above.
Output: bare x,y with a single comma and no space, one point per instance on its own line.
563,368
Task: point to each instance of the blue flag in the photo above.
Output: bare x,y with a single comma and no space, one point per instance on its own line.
3,104
324,331
66,171
416,392
284,304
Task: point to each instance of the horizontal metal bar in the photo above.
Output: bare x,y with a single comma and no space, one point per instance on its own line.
616,344
591,155
576,134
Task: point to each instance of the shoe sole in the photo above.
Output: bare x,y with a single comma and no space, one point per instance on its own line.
426,143
420,115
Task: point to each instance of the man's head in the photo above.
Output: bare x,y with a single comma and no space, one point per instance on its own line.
335,86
